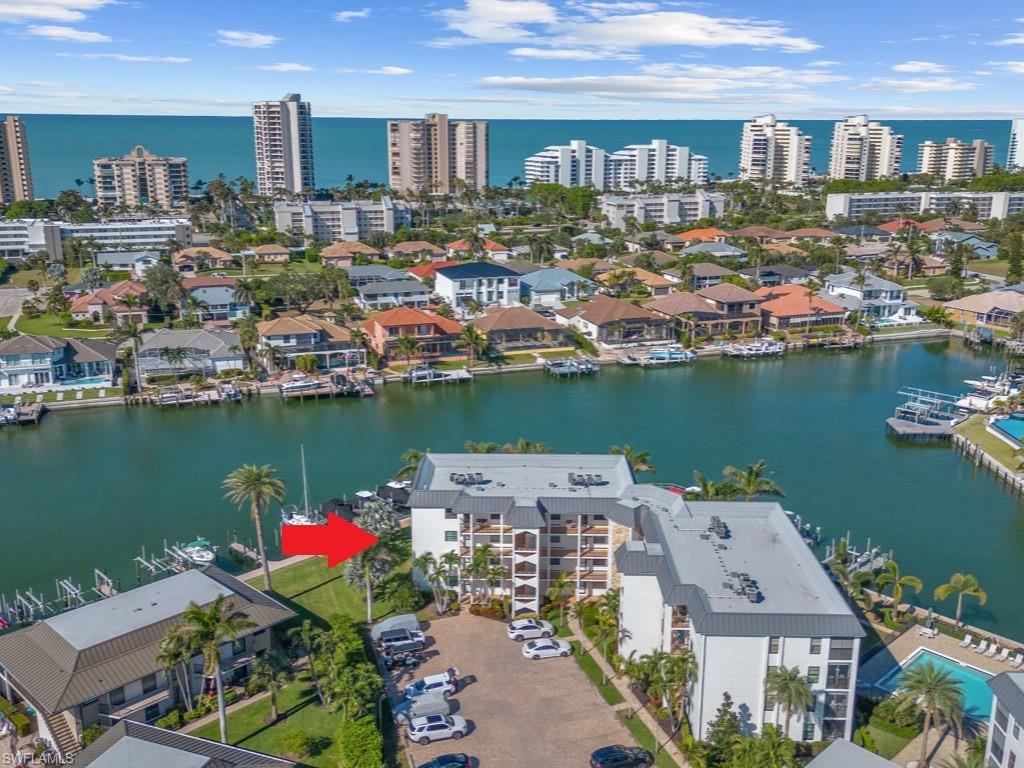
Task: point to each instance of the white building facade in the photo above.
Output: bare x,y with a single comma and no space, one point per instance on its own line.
283,131
327,221
1004,746
864,150
1015,156
576,164
655,161
669,208
774,152
955,160
479,281
432,153
988,205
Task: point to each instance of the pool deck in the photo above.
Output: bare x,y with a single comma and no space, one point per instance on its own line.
879,665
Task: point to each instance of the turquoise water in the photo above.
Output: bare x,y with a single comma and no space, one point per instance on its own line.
62,146
85,382
1012,426
973,682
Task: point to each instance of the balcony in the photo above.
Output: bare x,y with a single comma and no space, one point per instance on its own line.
525,570
121,711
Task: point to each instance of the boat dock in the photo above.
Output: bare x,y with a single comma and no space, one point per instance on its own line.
426,374
925,415
571,366
334,385
21,413
768,348
838,343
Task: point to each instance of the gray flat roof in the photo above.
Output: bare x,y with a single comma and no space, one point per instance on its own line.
130,752
126,612
844,754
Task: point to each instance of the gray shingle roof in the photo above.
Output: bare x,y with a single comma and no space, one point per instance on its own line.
214,343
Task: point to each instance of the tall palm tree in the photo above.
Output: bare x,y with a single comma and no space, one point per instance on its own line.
480,447
309,638
605,628
639,461
207,629
891,577
560,587
475,243
712,491
522,445
935,692
790,690
257,486
680,673
272,673
175,654
751,482
961,584
970,760
372,566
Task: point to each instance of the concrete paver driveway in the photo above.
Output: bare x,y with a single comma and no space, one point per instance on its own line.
522,713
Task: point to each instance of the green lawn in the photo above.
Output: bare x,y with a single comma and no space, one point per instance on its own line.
70,395
267,270
904,329
643,736
590,668
247,726
21,277
995,267
889,744
4,320
974,430
48,325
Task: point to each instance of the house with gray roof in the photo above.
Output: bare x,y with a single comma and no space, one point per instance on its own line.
44,363
188,352
845,754
705,274
1004,745
590,237
393,293
983,249
776,274
363,274
716,250
553,285
876,299
100,663
136,262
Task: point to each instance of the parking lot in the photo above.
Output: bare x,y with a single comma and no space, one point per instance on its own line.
521,712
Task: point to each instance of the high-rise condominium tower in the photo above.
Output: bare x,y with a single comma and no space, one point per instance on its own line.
864,150
955,160
430,154
139,178
1015,158
284,145
774,152
15,171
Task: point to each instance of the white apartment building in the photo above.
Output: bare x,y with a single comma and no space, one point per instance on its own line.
735,583
864,150
327,221
576,164
15,170
481,281
655,161
1004,746
989,205
670,208
141,178
430,154
774,152
955,160
283,132
22,237
1015,156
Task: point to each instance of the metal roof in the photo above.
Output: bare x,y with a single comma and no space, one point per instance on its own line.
426,499
844,754
476,269
483,505
526,516
385,287
1008,688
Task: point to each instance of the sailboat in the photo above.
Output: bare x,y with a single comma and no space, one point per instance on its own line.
293,515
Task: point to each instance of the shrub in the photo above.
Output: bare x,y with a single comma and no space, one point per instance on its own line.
230,697
886,710
862,737
195,714
171,721
21,722
362,745
90,734
905,732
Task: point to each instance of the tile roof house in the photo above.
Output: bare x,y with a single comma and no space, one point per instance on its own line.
716,250
417,249
344,254
94,306
738,306
393,293
294,337
877,299
201,352
596,265
693,314
191,260
217,295
436,334
659,259
550,286
429,271
101,662
272,253
622,280
511,328
705,274
817,234
615,322
460,249
992,308
761,234
480,281
40,363
785,307
704,235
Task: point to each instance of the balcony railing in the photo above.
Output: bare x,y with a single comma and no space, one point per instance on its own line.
120,711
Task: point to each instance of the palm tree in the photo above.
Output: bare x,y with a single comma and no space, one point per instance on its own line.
970,760
712,491
1017,325
776,751
407,346
639,461
890,576
480,447
961,584
272,673
605,628
556,593
790,689
175,654
680,673
206,629
129,332
372,566
474,340
309,637
258,486
750,480
935,692
475,243
522,445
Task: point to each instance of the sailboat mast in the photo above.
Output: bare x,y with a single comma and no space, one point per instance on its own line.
305,484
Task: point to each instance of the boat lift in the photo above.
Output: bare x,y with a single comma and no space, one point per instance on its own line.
103,585
69,594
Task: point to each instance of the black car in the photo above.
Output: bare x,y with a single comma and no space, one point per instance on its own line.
448,761
620,756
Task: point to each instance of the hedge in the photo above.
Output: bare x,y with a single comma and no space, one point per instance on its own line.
21,721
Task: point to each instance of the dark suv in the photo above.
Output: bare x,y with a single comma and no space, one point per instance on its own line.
620,756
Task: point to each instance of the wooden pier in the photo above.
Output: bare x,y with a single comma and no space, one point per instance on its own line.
22,413
912,430
974,453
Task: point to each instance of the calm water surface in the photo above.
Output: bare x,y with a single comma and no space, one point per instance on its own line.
87,489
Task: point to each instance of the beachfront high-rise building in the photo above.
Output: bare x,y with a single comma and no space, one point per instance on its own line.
864,150
576,164
430,154
284,145
141,178
656,161
955,160
15,171
774,152
1015,157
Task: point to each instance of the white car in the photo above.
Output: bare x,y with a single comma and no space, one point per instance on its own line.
424,730
445,684
545,649
525,629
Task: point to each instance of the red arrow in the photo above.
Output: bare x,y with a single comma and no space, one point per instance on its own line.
338,540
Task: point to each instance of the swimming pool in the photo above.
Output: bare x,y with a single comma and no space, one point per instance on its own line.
1012,426
91,381
973,682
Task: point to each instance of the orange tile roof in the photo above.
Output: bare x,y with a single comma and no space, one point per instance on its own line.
463,245
792,301
207,282
759,231
423,271
270,248
109,297
195,252
704,234
896,224
649,279
409,316
812,232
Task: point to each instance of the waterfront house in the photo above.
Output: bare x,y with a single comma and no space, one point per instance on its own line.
131,744
479,281
715,250
776,274
293,337
345,254
659,240
622,281
216,296
436,335
95,307
420,250
875,299
512,328
690,313
271,253
615,322
393,293
135,262
703,235
40,363
845,754
364,274
788,307
994,309
189,352
1004,745
983,249
100,663
705,274
199,258
739,308
553,285
460,249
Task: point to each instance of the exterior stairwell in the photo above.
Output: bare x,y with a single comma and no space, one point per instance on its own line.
63,735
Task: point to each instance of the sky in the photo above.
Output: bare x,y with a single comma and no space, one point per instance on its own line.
601,59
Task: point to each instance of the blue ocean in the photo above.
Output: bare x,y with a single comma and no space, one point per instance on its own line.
62,146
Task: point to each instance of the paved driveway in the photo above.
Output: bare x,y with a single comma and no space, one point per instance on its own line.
522,713
11,299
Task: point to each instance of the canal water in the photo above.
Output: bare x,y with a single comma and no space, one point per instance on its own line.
87,489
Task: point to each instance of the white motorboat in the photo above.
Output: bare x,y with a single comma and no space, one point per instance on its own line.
200,552
300,382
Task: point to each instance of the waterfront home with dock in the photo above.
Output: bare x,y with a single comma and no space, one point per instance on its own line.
787,307
615,322
513,328
436,335
690,313
1004,746
44,363
96,306
876,299
294,337
622,281
739,309
994,309
479,281
100,663
551,286
189,352
345,254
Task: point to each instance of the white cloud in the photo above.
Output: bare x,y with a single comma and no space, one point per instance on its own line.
346,16
127,58
920,66
241,39
286,66
48,10
68,34
41,84
572,54
385,70
824,63
914,85
5,89
1017,38
602,8
1010,67
494,21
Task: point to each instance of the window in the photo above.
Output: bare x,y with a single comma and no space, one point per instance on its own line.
840,649
451,535
1011,761
116,697
152,712
449,515
769,703
238,646
496,517
495,539
812,704
149,683
835,705
815,646
838,676
1002,719
808,734
773,644
556,518
1016,730
556,560
813,674
556,539
997,742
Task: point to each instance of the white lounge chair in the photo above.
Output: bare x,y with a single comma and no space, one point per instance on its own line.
1017,660
980,647
1003,655
966,642
992,650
